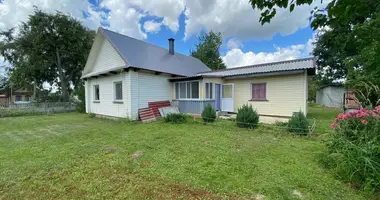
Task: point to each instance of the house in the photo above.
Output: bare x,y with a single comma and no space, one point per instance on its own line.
123,74
17,96
331,95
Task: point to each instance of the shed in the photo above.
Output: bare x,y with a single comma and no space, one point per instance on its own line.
331,95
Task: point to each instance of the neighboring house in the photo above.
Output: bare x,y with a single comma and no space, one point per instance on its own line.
17,96
331,95
4,99
123,74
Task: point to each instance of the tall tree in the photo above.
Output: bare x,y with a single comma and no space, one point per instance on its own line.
49,48
207,50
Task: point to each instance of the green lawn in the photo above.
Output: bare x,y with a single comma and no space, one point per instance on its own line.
73,156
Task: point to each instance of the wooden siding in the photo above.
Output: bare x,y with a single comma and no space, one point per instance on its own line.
106,105
285,94
102,56
153,87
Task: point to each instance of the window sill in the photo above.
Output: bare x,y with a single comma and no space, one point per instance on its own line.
96,102
258,100
118,102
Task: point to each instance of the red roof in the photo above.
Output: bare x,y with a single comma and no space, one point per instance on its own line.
3,95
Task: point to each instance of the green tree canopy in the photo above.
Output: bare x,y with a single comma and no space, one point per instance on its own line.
207,50
49,48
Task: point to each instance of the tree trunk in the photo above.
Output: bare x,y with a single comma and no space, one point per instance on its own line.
62,78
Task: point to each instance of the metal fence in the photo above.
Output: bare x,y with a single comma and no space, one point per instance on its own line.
37,108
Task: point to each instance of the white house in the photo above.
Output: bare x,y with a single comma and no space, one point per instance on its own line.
123,74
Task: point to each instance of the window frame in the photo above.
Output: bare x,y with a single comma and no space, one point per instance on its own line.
27,98
266,92
94,96
114,92
210,92
186,86
16,97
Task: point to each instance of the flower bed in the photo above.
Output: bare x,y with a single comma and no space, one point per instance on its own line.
354,148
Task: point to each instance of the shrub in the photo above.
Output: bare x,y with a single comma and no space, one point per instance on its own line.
208,114
247,117
354,148
175,118
298,124
92,115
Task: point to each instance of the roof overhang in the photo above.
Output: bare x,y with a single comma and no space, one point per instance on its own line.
265,74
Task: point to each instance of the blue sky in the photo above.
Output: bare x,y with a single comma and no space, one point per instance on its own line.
245,41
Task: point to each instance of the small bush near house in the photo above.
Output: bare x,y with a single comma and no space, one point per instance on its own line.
175,118
298,124
354,148
247,117
208,114
92,115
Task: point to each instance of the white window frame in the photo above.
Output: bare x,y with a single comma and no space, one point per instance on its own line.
114,91
179,90
212,94
94,96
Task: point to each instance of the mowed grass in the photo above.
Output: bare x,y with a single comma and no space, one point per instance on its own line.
73,156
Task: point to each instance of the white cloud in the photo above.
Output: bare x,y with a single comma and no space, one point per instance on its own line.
152,26
169,10
234,43
239,20
236,57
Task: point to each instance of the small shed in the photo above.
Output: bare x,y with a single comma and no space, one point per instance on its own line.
4,100
331,95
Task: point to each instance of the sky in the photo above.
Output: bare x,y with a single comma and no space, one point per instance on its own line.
245,40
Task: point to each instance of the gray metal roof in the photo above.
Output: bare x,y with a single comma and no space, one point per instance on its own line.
290,65
139,54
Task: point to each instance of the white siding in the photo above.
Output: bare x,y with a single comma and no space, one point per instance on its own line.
106,105
285,94
153,88
134,97
107,57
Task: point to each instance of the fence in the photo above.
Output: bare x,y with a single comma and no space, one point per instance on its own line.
36,108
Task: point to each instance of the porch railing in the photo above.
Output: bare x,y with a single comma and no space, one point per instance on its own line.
192,106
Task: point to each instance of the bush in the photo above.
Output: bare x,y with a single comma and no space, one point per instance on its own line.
208,114
298,124
247,117
354,148
175,118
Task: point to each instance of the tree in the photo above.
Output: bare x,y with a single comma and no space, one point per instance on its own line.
207,50
49,48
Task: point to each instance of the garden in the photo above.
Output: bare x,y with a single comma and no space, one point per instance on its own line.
75,156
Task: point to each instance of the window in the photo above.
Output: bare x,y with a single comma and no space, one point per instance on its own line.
27,98
259,91
18,98
96,93
209,90
187,90
227,91
118,91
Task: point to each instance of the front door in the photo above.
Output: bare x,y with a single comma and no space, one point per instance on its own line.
228,97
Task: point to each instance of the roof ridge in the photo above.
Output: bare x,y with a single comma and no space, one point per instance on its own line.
260,65
143,42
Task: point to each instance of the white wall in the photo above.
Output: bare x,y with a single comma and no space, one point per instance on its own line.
103,56
106,105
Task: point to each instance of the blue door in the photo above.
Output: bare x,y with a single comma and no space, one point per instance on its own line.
217,97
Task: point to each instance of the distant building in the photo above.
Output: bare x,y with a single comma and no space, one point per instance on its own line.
331,95
17,96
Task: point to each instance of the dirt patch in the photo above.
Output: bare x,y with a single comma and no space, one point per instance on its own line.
137,154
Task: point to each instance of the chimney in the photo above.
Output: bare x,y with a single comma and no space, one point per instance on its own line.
171,46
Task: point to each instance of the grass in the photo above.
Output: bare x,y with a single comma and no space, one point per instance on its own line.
73,156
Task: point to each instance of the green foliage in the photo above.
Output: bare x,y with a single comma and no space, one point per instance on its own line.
19,112
92,115
298,123
49,48
208,114
80,93
354,148
175,118
247,117
207,50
